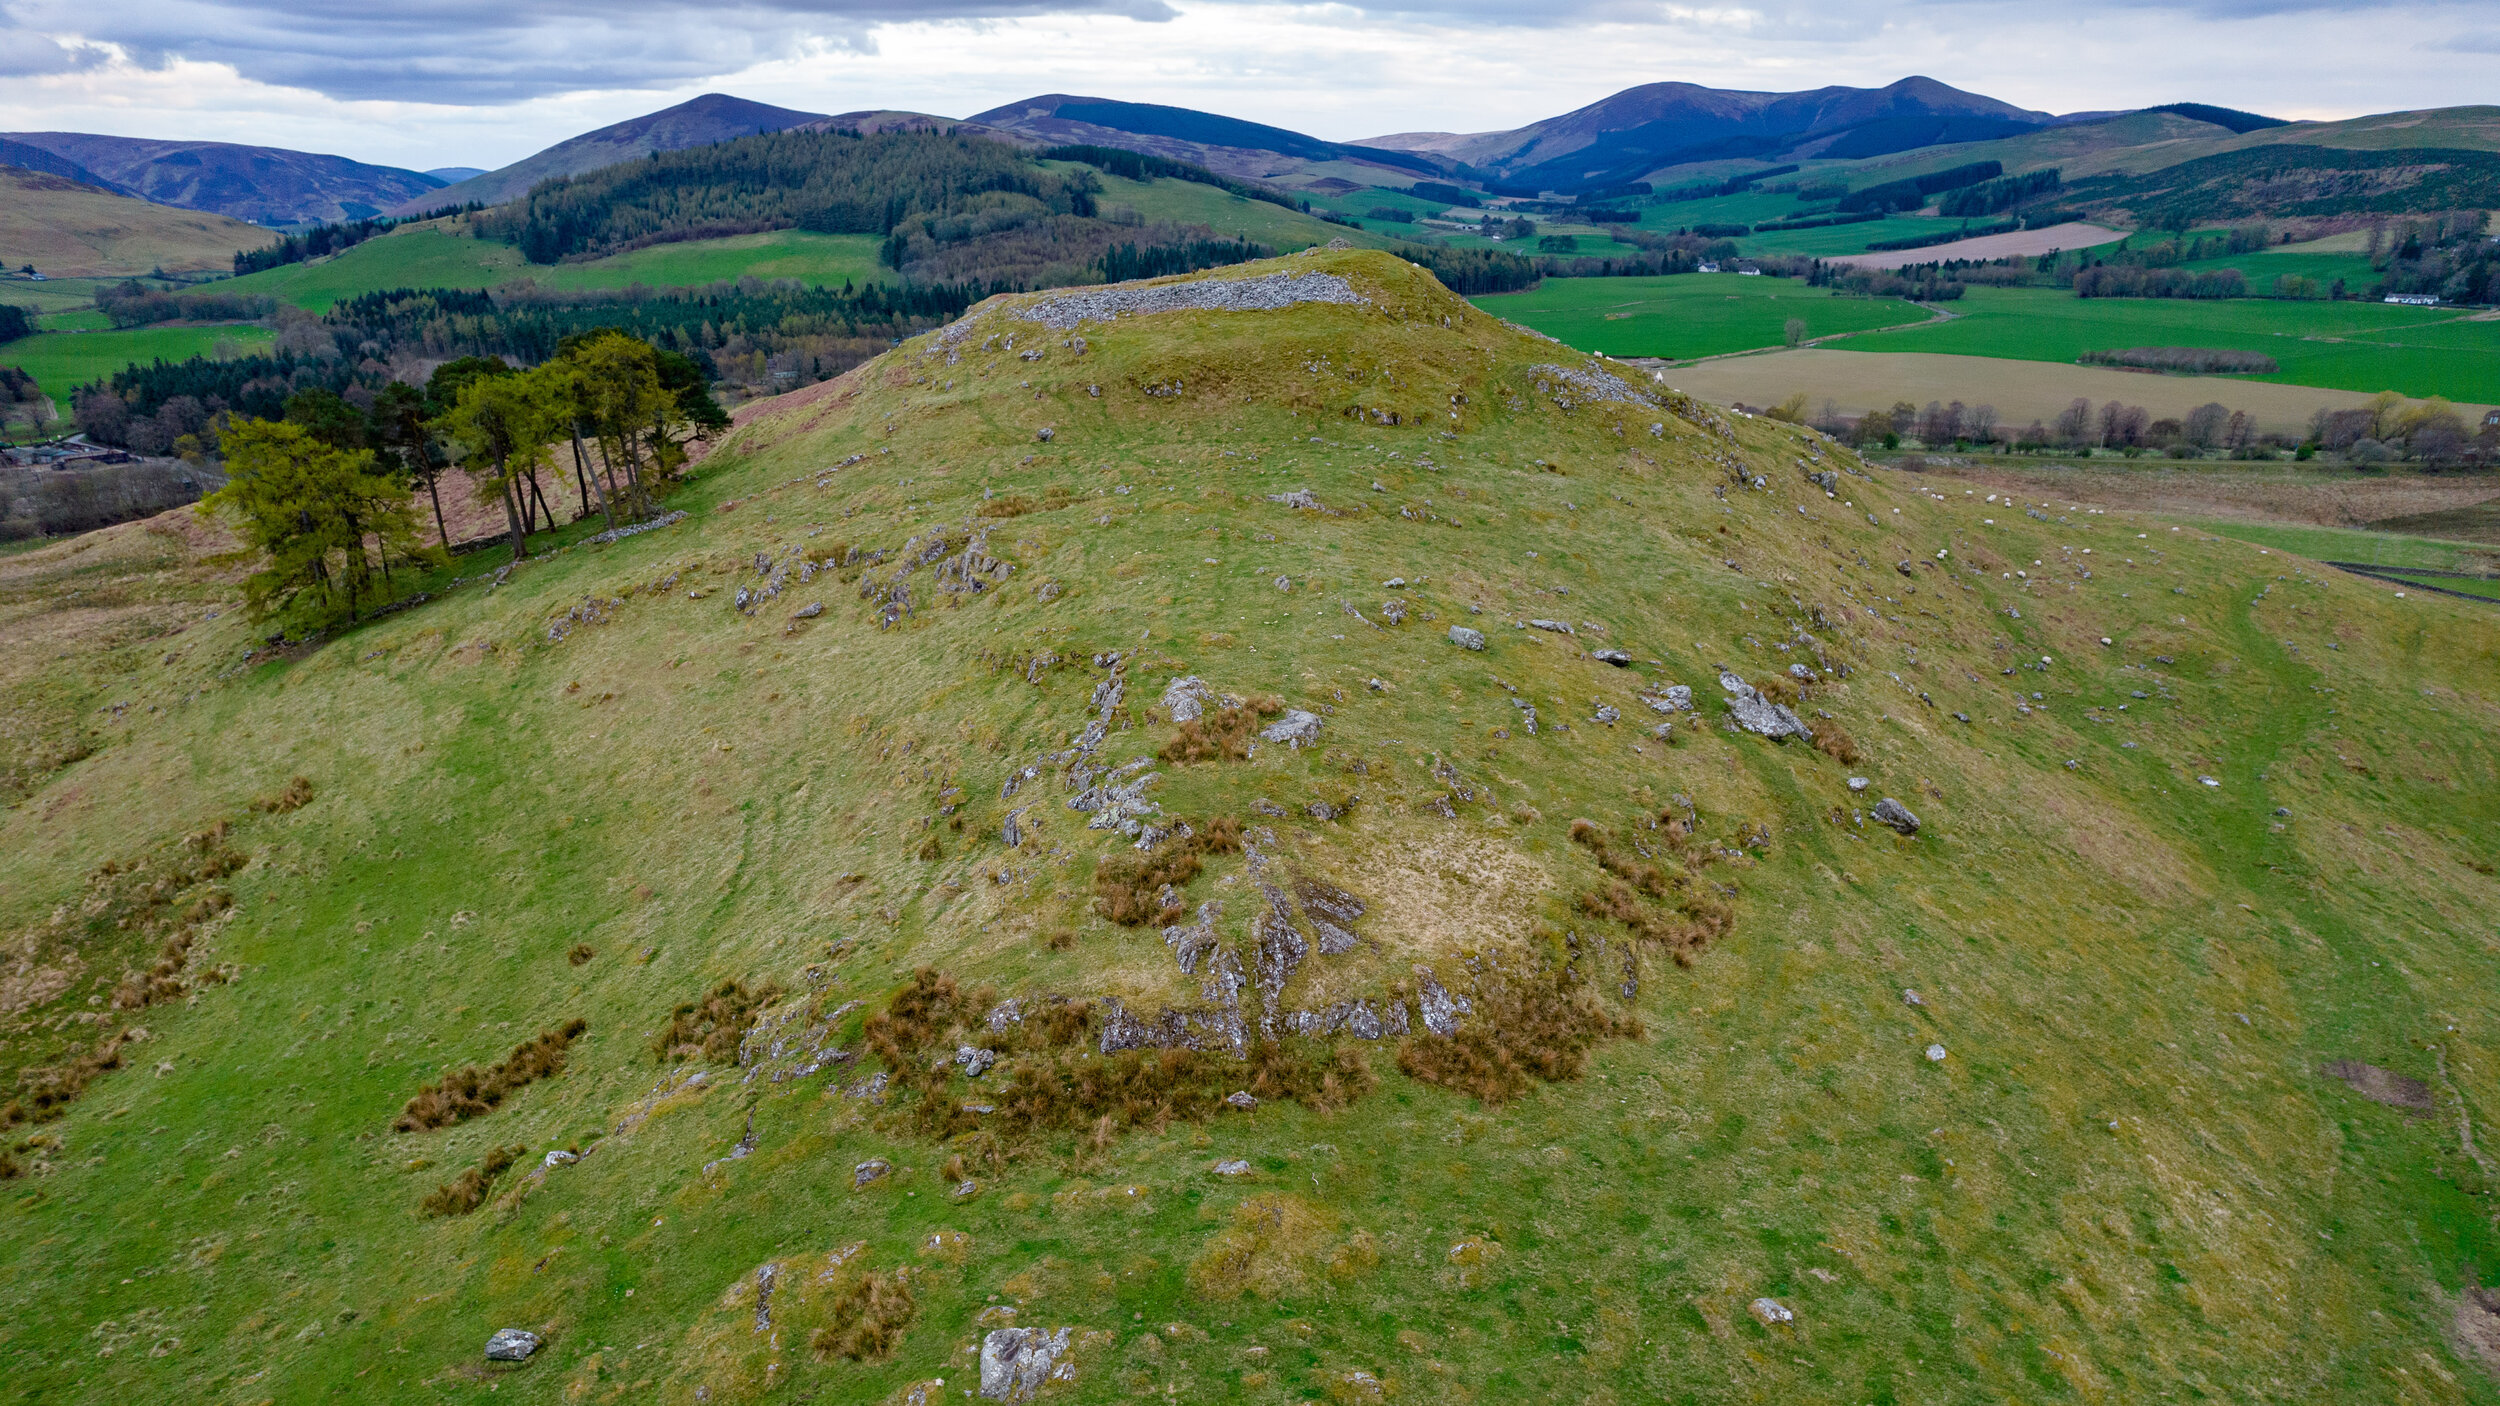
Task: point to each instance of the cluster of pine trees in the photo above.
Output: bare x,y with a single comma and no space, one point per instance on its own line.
325,493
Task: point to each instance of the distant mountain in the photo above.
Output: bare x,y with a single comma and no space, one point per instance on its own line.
1640,130
699,121
68,228
1227,144
264,185
448,174
35,158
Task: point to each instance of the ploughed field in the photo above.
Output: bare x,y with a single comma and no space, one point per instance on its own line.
810,873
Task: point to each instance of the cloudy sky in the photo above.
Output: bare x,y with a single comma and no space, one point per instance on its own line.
425,83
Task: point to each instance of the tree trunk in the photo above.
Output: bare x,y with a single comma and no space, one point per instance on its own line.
512,514
433,491
541,494
580,469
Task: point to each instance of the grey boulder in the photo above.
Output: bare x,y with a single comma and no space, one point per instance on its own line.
1016,1361
1891,812
1295,729
511,1345
1466,638
1757,714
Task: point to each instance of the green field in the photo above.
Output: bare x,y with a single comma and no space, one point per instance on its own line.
1687,315
2349,544
63,361
2347,346
1189,203
2483,586
432,256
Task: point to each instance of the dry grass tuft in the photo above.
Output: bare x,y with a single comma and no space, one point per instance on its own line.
1270,1250
1128,887
580,954
294,796
1833,741
467,1192
472,1092
1513,1037
710,1029
868,1318
1659,905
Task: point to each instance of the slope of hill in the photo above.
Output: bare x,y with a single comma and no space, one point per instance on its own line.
64,227
699,121
1227,144
35,158
1607,1064
259,184
1639,130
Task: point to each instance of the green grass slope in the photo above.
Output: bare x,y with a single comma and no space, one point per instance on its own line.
61,362
2126,1175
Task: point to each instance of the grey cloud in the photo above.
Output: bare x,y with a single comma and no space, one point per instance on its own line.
472,52
2481,41
25,53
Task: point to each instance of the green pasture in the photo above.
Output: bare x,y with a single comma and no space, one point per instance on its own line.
1687,315
63,361
2348,544
434,256
2344,346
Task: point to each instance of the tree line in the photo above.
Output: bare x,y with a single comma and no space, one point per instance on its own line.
326,493
2386,429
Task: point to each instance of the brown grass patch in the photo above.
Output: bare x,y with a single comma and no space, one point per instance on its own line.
580,954
295,795
711,1029
868,1318
1127,886
1834,741
1049,1080
467,1192
472,1092
1515,1035
1659,905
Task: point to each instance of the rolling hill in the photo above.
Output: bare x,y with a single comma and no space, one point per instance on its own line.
64,227
1226,144
699,121
763,958
1627,136
257,184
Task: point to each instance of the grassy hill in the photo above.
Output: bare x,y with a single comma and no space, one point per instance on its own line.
63,227
2043,1103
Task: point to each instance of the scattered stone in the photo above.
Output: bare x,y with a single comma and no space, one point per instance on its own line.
1395,583
1295,729
974,1061
1772,1312
1393,610
511,1345
1560,627
1678,698
1016,1361
1910,997
808,611
868,1171
1935,1054
1615,657
1757,714
560,1158
1331,911
1242,1099
1891,812
1466,638
966,1190
1234,1168
1045,434
1269,293
1607,714
2208,781
1801,672
2283,810
1858,783
1298,498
